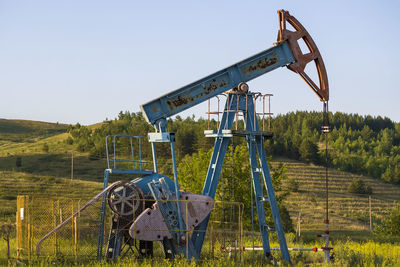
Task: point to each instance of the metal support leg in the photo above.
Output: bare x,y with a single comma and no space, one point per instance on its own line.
169,210
214,172
102,218
215,167
153,148
255,175
272,200
190,252
257,142
180,220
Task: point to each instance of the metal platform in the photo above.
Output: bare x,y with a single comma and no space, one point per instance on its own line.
243,133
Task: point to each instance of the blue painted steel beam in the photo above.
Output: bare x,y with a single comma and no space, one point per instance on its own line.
181,225
217,83
215,167
258,193
170,211
252,126
102,218
131,171
272,199
257,143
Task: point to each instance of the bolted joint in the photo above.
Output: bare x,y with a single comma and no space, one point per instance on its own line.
243,88
182,240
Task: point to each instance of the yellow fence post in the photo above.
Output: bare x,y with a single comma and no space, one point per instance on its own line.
20,205
76,238
22,226
29,226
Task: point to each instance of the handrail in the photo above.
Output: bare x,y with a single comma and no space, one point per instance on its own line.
114,160
90,202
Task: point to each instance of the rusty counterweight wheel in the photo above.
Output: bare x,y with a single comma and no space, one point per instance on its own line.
303,59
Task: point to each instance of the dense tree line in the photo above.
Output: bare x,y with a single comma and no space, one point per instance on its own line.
359,144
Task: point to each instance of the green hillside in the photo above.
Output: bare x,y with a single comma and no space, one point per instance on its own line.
47,171
28,131
43,150
17,183
44,172
348,212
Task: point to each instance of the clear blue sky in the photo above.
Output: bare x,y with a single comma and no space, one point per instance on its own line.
84,61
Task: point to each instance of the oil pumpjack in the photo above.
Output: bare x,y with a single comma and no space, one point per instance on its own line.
136,220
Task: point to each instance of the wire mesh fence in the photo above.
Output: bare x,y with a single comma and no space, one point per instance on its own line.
226,237
347,212
78,239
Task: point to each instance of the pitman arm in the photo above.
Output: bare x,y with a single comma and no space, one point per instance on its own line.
286,52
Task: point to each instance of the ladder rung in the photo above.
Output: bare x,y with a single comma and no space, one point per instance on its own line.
263,199
269,228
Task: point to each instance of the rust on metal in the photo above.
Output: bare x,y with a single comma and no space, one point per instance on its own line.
198,91
179,101
261,63
303,59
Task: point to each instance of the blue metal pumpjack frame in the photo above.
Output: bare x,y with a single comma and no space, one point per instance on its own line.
158,110
259,167
112,170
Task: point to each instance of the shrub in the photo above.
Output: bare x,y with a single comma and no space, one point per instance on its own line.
69,140
292,185
7,230
357,186
390,225
45,147
18,162
308,151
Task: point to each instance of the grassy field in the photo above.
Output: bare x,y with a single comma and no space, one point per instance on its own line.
12,131
349,213
347,253
47,172
18,183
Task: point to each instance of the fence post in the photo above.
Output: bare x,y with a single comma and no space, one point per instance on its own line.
370,213
212,240
21,211
29,223
241,209
75,238
298,230
54,225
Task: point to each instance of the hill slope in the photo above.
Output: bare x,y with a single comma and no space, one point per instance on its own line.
48,173
347,212
26,130
17,183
